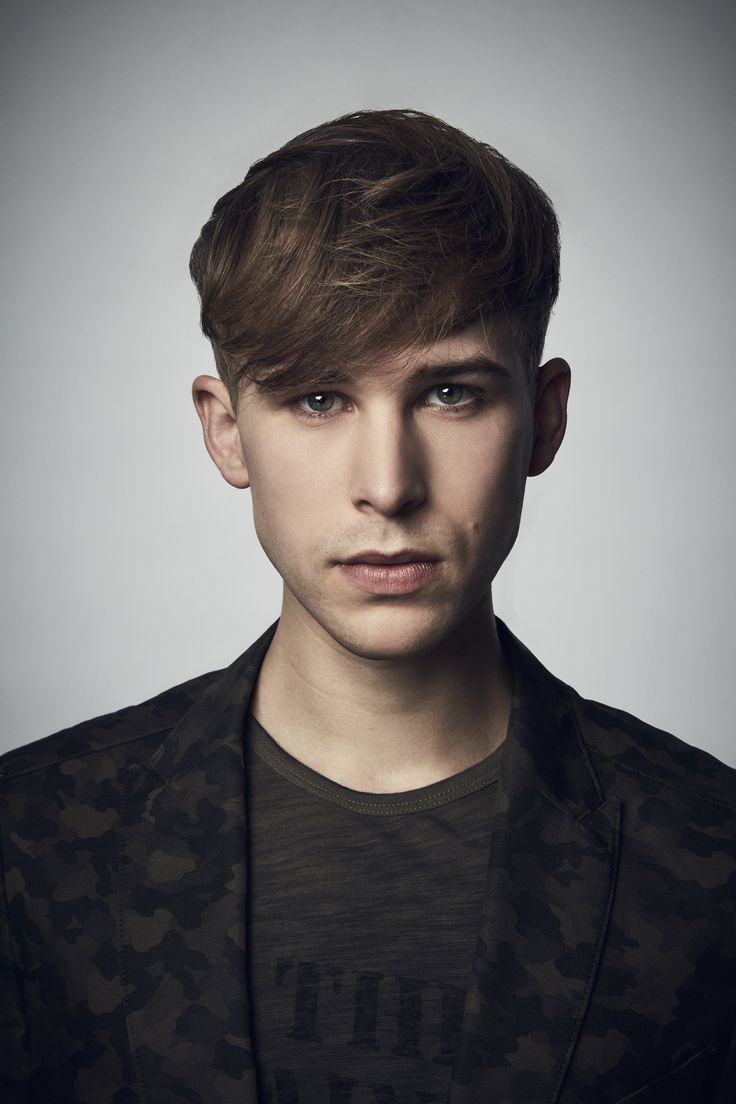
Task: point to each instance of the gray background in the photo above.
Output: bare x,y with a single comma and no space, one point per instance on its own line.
129,564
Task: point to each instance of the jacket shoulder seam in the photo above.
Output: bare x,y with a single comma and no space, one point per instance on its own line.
660,781
7,772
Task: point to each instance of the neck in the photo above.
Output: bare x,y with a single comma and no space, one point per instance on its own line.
384,725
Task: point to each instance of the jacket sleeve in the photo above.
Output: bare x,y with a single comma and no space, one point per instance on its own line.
14,1041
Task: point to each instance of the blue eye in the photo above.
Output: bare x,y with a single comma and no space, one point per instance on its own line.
318,404
450,394
320,401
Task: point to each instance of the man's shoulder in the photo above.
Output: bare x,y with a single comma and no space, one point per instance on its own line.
109,731
637,754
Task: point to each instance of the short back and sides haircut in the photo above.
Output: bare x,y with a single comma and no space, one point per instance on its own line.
363,236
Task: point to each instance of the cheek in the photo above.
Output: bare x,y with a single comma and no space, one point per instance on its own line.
289,498
489,475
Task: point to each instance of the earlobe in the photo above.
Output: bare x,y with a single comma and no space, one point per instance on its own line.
550,413
220,428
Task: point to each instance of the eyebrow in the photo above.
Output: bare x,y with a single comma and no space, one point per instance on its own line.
478,362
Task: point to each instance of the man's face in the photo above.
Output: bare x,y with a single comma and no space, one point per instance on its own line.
424,454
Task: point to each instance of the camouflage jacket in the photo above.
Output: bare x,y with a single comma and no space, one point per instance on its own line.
604,967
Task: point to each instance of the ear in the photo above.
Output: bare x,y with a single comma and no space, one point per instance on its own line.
221,435
550,413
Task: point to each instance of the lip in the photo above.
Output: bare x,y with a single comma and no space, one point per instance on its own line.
407,555
390,573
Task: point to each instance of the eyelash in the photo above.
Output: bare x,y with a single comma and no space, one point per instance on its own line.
314,416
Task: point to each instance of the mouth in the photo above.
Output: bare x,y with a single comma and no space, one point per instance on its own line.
386,573
407,555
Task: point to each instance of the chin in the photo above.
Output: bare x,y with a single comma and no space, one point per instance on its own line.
389,632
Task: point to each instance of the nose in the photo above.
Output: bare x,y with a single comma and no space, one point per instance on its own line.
387,468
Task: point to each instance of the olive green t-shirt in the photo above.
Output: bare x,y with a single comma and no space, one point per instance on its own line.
363,915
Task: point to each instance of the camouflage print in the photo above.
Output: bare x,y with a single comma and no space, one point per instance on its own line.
604,968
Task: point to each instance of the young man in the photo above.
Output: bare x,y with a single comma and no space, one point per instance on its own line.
385,856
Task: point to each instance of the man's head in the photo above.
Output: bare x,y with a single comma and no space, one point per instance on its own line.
372,232
377,293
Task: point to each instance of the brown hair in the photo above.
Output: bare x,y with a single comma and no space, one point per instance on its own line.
365,234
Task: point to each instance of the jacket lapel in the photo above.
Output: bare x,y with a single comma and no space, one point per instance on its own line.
183,902
550,884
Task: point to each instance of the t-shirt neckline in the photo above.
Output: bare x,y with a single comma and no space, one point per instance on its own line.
456,786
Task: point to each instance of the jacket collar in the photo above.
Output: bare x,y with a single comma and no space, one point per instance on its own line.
544,746
217,718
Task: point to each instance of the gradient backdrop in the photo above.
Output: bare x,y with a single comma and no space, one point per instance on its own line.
129,564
